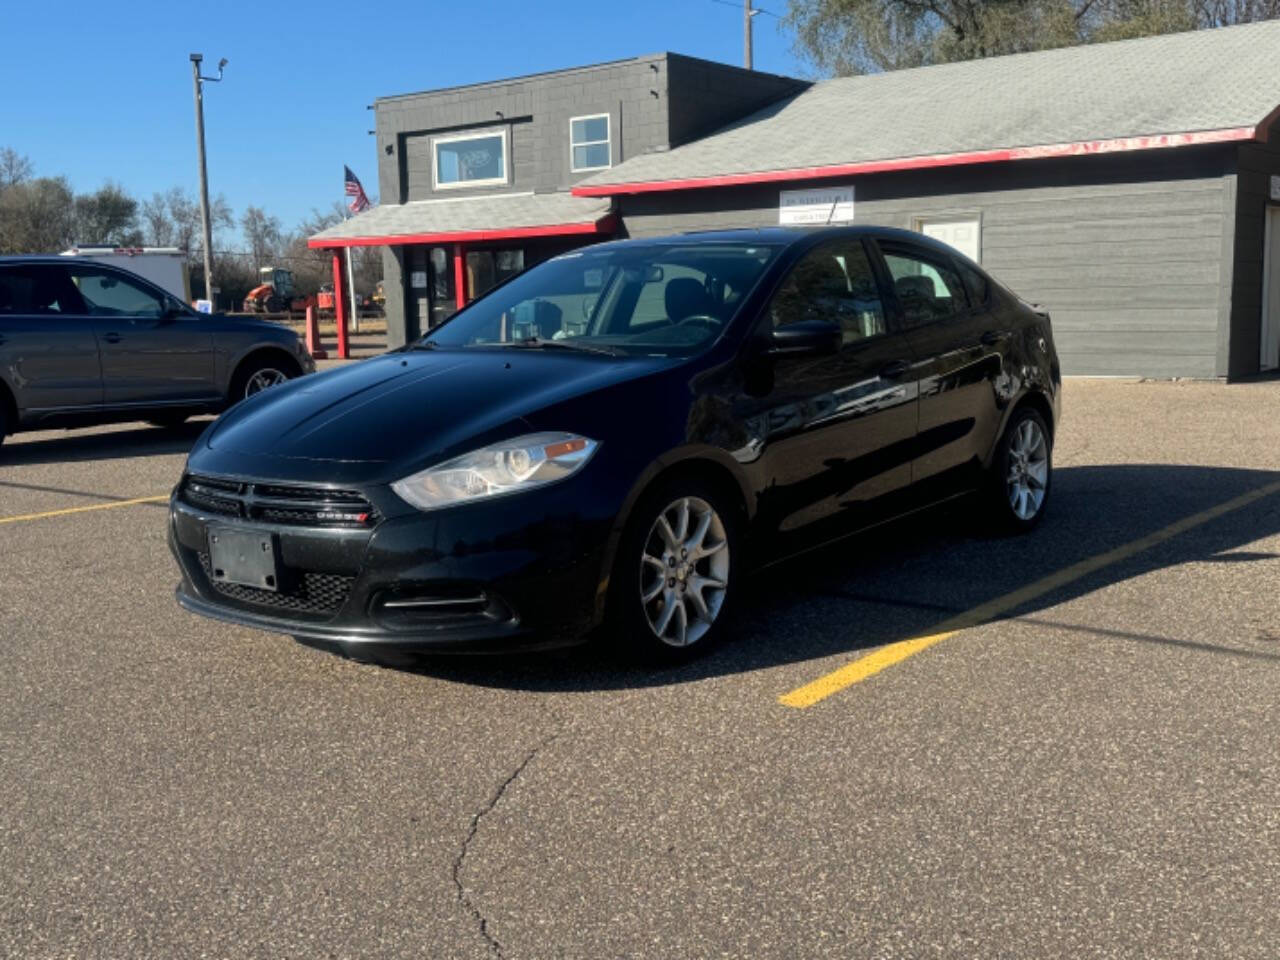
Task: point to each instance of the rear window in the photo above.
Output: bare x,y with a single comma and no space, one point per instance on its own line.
35,290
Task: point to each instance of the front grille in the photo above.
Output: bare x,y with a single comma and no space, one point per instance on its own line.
302,506
313,594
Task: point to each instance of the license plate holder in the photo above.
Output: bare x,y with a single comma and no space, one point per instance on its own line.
243,557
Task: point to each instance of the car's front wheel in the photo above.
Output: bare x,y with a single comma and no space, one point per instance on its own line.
675,574
1022,471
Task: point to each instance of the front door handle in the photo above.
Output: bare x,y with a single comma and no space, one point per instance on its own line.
111,337
894,369
992,337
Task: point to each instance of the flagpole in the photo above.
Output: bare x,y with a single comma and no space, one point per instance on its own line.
351,284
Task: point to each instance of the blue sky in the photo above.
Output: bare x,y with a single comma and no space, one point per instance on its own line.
99,91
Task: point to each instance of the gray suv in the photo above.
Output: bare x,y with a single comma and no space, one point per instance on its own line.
84,343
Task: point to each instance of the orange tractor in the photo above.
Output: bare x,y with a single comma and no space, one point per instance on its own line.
275,294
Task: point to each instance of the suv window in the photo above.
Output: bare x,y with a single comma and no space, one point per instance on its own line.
107,294
928,287
36,289
833,282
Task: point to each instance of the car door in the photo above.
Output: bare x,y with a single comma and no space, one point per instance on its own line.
960,350
48,350
838,429
154,349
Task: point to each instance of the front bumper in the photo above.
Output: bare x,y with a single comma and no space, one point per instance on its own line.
522,572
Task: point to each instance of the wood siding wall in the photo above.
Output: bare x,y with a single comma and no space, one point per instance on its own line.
1132,254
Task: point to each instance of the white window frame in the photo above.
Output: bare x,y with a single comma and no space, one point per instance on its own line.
471,135
607,141
960,216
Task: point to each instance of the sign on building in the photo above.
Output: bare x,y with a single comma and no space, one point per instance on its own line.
819,205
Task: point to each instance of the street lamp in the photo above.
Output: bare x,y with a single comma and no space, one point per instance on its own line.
199,80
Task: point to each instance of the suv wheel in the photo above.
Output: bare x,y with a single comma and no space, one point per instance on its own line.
675,575
1021,472
258,377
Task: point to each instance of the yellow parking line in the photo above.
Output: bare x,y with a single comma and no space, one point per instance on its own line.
97,506
868,666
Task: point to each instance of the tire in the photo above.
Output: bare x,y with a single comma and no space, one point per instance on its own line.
168,421
1021,472
259,375
5,425
663,608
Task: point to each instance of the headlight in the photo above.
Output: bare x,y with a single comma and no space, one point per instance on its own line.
512,466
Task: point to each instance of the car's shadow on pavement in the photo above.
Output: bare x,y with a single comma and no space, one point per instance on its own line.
903,579
73,446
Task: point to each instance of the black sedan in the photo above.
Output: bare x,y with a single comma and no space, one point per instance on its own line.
615,437
84,343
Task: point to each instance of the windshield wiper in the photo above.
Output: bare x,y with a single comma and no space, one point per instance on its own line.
567,344
423,345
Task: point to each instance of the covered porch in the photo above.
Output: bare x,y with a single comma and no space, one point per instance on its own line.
441,254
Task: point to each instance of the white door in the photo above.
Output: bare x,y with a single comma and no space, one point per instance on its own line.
964,235
1270,347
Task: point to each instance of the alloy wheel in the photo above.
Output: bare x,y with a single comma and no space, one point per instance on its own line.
685,571
264,379
1028,477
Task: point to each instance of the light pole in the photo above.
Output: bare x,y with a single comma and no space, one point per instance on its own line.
205,226
747,16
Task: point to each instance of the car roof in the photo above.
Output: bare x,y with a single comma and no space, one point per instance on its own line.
784,236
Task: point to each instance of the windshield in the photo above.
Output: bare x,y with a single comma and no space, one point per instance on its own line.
634,299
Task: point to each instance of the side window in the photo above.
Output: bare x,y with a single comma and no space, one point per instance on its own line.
670,293
976,283
107,294
36,290
833,283
928,287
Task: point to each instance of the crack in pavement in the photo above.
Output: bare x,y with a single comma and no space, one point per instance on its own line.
494,946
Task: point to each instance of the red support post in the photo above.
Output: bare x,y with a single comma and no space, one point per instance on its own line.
340,303
460,275
313,336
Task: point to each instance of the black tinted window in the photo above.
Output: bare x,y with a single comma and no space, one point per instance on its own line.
110,295
833,283
928,287
36,289
974,282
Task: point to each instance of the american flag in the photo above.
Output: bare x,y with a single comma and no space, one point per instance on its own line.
351,183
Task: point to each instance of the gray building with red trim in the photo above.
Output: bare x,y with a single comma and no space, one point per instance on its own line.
1132,188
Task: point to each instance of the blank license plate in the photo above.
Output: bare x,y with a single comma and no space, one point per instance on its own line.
245,557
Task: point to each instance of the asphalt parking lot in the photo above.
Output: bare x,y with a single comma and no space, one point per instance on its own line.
1076,757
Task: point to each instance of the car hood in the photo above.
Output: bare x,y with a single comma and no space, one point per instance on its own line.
411,408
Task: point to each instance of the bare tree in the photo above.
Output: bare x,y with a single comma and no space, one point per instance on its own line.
108,215
15,168
867,36
262,234
36,216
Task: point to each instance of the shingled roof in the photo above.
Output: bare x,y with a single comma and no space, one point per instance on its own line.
1173,90
469,219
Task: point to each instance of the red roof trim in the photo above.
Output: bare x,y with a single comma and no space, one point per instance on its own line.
1074,149
604,225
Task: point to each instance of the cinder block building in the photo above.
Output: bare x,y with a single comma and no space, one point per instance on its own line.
1132,188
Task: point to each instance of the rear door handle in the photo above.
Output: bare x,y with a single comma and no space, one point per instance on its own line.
111,337
992,337
894,369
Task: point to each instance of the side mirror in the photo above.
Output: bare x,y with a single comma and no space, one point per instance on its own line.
804,337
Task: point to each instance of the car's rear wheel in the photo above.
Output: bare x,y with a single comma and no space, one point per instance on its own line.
5,425
674,577
1022,471
259,375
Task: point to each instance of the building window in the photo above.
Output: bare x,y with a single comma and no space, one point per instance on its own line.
589,142
962,233
470,160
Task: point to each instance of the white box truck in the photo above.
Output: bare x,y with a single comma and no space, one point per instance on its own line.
166,267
